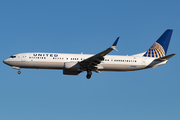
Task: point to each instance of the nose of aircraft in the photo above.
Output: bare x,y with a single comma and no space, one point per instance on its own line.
6,61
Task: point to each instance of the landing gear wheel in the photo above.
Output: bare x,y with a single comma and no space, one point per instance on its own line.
88,76
19,72
89,73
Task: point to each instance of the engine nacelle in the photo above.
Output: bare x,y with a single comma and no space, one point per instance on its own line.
71,68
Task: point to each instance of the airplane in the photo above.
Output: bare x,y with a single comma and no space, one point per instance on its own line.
74,64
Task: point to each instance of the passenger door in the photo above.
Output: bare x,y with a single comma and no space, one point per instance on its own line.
23,57
144,61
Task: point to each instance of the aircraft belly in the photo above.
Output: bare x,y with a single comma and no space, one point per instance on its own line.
18,63
45,65
38,64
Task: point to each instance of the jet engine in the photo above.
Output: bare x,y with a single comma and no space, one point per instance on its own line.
71,68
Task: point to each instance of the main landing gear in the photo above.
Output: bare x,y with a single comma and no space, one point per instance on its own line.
89,73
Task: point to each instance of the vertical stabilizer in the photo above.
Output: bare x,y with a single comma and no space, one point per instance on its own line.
160,47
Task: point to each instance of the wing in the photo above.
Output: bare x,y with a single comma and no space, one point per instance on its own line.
93,61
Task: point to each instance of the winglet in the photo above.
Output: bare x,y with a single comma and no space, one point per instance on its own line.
114,44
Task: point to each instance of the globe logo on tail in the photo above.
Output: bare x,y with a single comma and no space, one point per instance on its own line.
156,50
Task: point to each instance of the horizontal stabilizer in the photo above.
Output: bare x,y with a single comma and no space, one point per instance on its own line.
165,57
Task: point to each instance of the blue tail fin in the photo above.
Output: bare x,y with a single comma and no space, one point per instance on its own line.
160,47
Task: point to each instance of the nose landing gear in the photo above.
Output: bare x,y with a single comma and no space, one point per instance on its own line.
17,68
19,72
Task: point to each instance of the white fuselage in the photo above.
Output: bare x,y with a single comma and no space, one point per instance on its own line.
57,60
73,64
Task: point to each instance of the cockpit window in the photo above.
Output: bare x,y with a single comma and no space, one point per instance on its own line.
13,56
